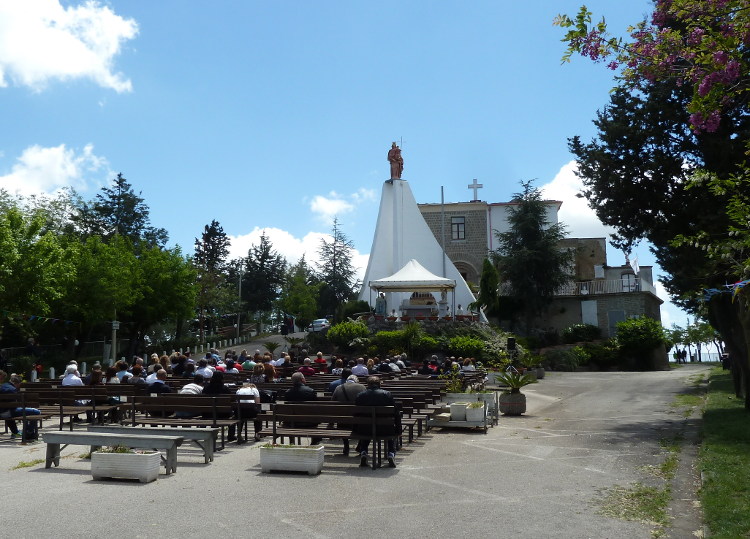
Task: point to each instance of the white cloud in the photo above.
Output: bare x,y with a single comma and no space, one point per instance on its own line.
326,207
45,170
581,221
291,248
41,40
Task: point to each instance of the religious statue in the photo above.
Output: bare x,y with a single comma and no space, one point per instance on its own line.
397,162
380,305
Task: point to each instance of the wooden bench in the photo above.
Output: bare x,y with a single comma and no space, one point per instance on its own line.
55,440
213,411
300,419
205,438
9,402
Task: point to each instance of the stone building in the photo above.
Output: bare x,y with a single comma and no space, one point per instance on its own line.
599,294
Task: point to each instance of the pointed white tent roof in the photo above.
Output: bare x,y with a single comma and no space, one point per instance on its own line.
413,276
401,234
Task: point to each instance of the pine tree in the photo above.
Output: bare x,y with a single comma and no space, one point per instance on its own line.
531,263
263,277
335,271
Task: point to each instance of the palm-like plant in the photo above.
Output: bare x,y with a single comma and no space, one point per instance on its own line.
271,346
514,380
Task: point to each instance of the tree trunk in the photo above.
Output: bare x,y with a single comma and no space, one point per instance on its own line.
732,320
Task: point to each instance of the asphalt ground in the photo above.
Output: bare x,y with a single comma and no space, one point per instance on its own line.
539,475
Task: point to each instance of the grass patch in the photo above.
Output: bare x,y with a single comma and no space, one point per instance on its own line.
725,460
638,503
27,464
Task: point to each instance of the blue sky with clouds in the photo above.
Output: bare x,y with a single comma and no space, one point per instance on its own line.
279,115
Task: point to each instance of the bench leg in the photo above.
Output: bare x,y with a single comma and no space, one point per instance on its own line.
171,464
53,455
208,449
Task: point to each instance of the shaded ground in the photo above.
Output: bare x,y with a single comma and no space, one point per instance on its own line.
539,475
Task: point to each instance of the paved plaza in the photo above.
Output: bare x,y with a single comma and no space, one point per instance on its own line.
538,475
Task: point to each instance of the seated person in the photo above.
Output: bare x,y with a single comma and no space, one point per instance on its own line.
306,369
30,426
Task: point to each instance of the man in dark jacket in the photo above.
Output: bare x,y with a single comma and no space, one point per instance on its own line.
374,396
299,392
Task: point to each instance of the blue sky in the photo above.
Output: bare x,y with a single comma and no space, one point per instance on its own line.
278,116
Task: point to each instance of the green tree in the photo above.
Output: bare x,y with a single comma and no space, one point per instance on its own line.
299,296
531,263
33,268
488,298
168,290
335,270
118,210
263,277
689,58
214,291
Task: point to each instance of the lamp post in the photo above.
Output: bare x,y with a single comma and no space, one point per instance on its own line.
239,301
113,352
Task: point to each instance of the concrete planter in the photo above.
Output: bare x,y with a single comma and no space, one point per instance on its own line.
141,466
512,403
475,414
459,397
458,411
292,459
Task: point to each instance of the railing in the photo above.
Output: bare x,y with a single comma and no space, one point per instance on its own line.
618,286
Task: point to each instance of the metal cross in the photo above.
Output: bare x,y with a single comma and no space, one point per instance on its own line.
475,186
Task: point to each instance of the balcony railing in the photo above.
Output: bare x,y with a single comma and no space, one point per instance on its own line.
619,286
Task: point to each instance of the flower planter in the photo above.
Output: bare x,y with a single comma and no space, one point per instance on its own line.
405,318
141,466
420,318
434,318
292,459
459,397
458,411
391,318
512,403
489,400
475,414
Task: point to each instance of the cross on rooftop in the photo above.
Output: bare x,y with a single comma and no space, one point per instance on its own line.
475,186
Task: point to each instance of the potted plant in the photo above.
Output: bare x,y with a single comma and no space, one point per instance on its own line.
392,317
125,463
292,458
475,411
533,364
454,387
512,401
458,411
405,317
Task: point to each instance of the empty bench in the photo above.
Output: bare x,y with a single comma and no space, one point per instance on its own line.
205,438
60,439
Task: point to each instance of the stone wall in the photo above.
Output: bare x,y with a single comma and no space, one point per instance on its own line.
468,254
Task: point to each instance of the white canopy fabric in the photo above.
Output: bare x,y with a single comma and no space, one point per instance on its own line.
413,276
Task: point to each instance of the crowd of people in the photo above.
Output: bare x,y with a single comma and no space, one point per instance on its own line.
206,376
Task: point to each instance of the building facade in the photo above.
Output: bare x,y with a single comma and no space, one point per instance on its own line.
599,294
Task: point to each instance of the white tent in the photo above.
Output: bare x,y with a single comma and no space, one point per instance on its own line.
413,277
401,233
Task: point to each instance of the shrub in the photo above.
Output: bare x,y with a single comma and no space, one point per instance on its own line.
466,346
386,341
581,333
344,333
561,360
424,344
603,355
638,335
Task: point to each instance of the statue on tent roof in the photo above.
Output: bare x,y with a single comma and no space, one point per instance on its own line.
396,161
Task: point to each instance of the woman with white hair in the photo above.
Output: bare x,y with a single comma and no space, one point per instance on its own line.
71,377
